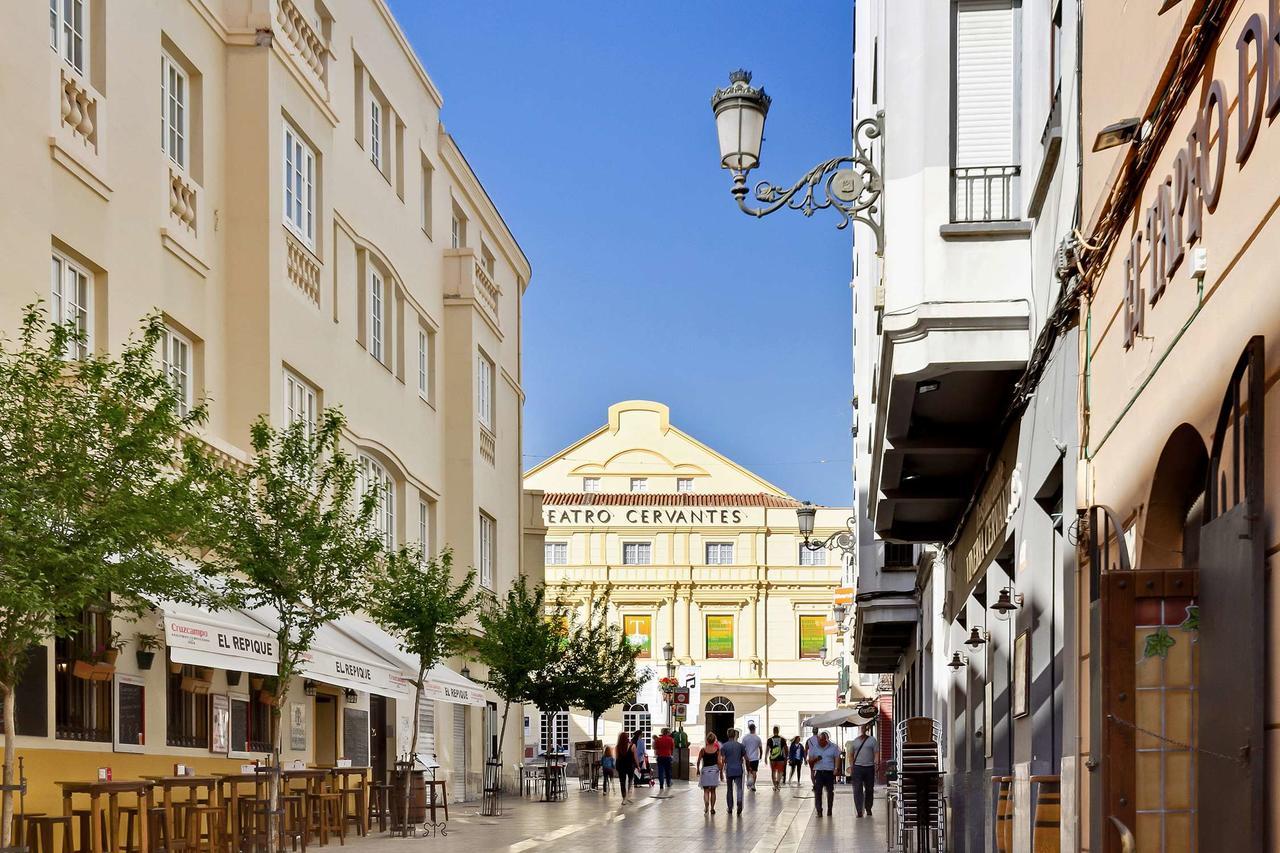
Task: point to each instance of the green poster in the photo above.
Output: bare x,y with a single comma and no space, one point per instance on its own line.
812,636
719,636
639,631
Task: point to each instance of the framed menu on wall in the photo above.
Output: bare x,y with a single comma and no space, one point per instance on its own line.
1022,674
131,713
219,723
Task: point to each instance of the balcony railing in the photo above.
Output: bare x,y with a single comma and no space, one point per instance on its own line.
183,200
303,268
488,445
310,46
983,193
488,291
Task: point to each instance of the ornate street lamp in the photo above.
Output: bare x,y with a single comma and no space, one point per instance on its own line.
850,184
1005,604
956,662
975,637
822,657
846,540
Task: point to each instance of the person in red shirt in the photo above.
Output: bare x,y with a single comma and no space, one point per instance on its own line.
664,747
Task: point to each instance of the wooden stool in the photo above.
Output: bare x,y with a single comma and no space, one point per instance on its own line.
379,804
40,833
83,817
295,821
204,827
132,828
158,832
432,802
20,827
354,806
327,812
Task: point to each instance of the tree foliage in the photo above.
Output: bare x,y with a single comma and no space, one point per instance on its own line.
99,489
602,663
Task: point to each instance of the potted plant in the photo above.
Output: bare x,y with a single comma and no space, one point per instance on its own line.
148,645
204,673
256,682
233,677
110,650
83,667
175,667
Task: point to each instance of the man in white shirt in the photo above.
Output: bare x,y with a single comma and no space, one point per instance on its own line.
862,771
809,747
822,762
754,748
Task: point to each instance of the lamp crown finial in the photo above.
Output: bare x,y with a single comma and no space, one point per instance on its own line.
740,75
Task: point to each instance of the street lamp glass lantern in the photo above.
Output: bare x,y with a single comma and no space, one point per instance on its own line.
668,652
804,517
840,611
740,110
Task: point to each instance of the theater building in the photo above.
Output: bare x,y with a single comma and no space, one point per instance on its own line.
1181,336
698,552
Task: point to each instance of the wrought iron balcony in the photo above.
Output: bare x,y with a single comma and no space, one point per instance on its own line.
984,193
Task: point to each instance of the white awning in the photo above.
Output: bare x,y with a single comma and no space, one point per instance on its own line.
222,639
441,683
339,659
838,717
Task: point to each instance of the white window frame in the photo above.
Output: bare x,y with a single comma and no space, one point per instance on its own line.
718,553
377,309
375,132
684,484
555,553
175,93
299,186
591,484
428,184
637,553
639,484
455,235
71,301
424,364
374,476
809,557
636,715
485,379
177,359
488,536
69,40
301,402
556,725
424,528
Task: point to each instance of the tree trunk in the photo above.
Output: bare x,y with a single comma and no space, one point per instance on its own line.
10,741
502,739
413,750
595,726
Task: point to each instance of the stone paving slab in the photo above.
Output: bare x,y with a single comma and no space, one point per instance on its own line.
588,822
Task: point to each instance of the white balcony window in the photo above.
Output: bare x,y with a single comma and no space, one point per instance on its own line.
68,28
637,553
428,181
375,133
300,403
377,305
590,484
719,553
684,484
484,390
487,545
174,88
556,553
424,364
70,289
984,158
639,484
812,558
455,233
374,478
175,359
424,529
299,186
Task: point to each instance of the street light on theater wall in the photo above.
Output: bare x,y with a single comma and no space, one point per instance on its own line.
668,657
850,184
846,540
822,657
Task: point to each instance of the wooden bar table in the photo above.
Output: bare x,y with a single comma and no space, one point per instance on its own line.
228,789
95,791
192,785
348,780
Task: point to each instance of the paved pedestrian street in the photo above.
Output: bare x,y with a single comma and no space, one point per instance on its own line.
782,821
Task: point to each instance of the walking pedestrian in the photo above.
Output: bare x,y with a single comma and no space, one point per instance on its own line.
776,750
753,748
809,746
607,765
709,773
822,761
664,747
863,770
642,758
795,758
625,760
733,766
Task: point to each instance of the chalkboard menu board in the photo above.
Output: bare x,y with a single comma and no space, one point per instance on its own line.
355,736
131,714
239,724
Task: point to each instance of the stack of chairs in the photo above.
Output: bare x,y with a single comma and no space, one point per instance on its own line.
921,806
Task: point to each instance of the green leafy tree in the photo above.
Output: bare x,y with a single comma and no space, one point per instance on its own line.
524,643
603,664
416,601
96,491
294,529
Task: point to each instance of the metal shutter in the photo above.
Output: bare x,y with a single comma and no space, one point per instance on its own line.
459,753
427,727
984,83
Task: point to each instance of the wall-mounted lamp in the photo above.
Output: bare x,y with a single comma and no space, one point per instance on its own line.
1119,133
309,687
928,386
1006,603
466,671
956,662
352,696
975,637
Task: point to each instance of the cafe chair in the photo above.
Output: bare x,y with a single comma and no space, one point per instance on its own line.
379,804
354,805
205,825
40,833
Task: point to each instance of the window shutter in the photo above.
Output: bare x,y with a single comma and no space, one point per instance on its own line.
427,727
984,83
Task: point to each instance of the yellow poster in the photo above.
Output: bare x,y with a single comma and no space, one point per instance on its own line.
639,631
812,636
719,636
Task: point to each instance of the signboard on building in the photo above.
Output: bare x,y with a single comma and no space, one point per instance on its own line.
690,678
719,636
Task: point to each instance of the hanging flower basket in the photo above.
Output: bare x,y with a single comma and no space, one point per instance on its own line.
266,697
83,669
668,685
102,671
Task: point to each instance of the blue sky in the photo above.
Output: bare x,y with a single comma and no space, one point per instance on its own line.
589,124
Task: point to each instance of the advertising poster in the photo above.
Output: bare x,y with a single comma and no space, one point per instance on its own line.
639,631
813,636
719,637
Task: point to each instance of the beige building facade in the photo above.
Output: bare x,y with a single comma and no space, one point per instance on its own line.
272,176
698,552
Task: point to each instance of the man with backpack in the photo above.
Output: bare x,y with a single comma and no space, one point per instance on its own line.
776,750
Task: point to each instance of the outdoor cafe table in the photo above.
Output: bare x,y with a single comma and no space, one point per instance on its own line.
312,777
192,785
228,788
347,780
95,790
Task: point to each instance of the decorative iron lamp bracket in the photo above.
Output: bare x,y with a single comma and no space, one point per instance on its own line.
851,184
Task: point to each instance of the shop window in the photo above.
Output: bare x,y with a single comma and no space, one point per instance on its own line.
32,691
187,706
251,726
82,680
